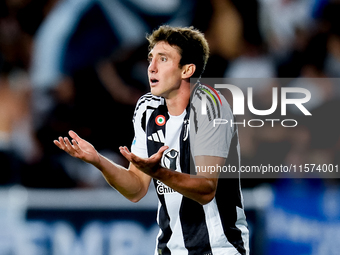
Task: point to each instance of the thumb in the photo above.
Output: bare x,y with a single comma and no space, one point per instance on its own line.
158,155
161,150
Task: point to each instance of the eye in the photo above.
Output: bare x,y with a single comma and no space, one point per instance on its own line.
149,59
163,59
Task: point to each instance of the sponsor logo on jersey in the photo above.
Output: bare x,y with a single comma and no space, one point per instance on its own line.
157,137
160,120
163,189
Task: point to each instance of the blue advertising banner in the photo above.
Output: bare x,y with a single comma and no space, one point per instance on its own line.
304,218
84,222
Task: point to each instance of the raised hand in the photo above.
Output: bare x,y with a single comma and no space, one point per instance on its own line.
78,148
146,165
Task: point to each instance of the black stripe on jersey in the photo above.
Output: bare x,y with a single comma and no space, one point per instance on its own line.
226,204
153,147
151,107
147,96
195,117
164,225
194,227
228,197
217,102
215,107
212,108
192,107
143,121
191,214
210,105
200,98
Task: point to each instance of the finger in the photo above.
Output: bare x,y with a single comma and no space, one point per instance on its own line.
159,153
137,160
75,145
61,143
67,142
125,152
68,145
124,149
56,142
133,158
74,135
162,149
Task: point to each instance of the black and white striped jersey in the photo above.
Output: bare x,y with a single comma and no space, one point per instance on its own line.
186,227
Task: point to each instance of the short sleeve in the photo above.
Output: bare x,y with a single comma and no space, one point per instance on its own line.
207,137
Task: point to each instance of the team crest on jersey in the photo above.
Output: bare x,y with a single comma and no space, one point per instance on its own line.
160,120
169,159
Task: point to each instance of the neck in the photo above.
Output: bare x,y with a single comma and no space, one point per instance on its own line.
177,104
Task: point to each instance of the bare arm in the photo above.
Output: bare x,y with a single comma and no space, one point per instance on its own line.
131,183
201,188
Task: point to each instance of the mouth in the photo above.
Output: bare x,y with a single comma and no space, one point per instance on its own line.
153,82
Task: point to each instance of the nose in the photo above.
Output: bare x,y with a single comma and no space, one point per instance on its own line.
152,66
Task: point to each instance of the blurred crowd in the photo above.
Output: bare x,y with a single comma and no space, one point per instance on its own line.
81,65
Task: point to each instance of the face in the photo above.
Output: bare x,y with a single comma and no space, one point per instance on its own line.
164,73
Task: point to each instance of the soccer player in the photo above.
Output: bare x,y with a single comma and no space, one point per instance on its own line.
199,213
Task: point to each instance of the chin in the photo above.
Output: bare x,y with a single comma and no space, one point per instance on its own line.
155,92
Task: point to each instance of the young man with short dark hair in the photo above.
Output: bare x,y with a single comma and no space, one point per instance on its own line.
201,214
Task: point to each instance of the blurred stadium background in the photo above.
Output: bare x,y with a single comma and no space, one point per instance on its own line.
81,65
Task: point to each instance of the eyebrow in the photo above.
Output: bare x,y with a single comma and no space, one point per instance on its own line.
160,54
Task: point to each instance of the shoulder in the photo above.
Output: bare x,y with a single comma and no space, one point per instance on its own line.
207,105
207,101
147,101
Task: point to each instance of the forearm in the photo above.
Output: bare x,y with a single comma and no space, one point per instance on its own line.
131,183
123,180
201,188
198,188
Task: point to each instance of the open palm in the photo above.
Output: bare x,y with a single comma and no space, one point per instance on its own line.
78,148
147,165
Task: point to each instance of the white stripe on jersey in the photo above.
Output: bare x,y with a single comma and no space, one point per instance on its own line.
216,234
155,137
161,136
173,201
176,242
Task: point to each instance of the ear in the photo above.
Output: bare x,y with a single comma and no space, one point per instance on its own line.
188,70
